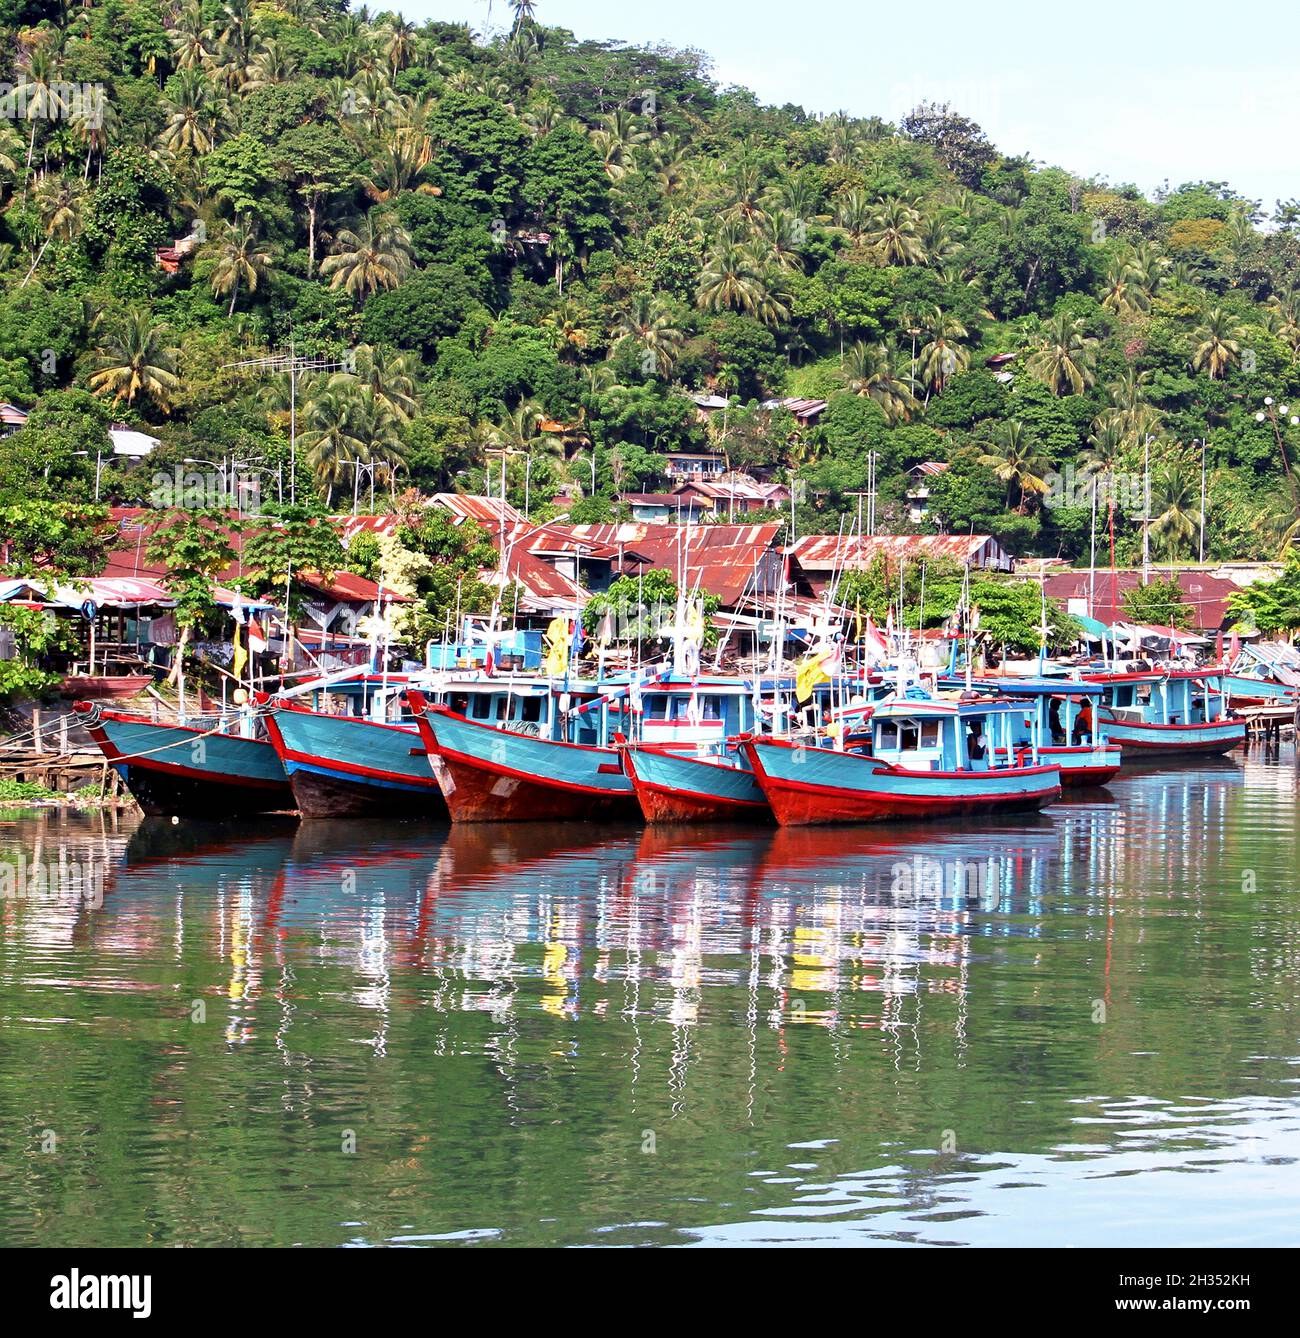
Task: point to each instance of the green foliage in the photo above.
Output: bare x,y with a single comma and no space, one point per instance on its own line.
1271,606
1159,603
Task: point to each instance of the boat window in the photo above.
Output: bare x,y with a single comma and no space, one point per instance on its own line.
530,708
909,733
656,708
929,734
482,707
888,734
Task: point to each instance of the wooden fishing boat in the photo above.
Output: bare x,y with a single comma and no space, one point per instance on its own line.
202,769
1167,713
344,766
676,786
88,687
489,774
927,758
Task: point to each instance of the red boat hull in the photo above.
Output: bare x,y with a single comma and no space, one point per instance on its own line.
662,805
476,792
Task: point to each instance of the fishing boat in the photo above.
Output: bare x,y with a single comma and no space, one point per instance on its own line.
204,768
349,752
493,774
1060,717
928,757
1153,714
684,767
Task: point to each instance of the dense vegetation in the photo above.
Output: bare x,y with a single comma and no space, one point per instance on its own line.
474,237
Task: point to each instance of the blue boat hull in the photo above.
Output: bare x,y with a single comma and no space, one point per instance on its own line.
184,771
349,767
1147,742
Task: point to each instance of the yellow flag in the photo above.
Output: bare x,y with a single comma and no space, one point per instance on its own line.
241,656
811,671
556,659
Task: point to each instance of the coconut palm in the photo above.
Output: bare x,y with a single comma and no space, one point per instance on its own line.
1019,464
243,260
40,94
854,214
190,38
565,329
335,435
783,236
135,360
390,379
648,323
1064,357
1175,508
731,280
58,203
869,369
1123,291
893,234
617,139
1216,340
379,256
191,114
943,354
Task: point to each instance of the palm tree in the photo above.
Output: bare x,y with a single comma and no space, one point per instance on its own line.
335,434
399,44
134,359
377,257
783,235
242,260
1064,357
190,37
40,94
1128,397
190,115
390,379
1217,347
1122,289
893,234
942,355
617,140
869,370
854,214
58,202
648,324
1017,463
1176,507
731,280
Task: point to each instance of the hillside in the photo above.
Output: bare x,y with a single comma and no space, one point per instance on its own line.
475,242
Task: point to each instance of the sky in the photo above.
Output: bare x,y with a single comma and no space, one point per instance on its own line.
1135,92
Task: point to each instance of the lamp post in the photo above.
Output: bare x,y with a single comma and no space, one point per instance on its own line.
99,464
220,468
1200,548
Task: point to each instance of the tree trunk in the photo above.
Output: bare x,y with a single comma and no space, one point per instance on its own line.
311,237
174,677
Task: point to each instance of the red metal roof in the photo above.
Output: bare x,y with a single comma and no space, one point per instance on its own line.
1206,594
818,553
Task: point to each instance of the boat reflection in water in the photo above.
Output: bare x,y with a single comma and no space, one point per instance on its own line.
508,1018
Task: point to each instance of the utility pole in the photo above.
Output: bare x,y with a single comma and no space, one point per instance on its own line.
275,363
1200,550
1146,511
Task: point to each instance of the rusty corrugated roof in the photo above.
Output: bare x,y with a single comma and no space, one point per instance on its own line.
829,552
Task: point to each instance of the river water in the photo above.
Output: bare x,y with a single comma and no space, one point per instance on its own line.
1079,1028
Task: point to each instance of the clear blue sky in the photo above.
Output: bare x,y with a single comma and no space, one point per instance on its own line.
1135,91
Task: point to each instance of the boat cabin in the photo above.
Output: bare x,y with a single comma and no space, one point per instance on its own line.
1178,697
1060,713
941,734
701,713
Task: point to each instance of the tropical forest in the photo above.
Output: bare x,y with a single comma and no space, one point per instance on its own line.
462,240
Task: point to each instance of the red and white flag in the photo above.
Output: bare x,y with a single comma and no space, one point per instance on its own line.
257,642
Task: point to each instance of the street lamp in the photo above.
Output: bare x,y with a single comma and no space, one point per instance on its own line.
220,468
99,464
